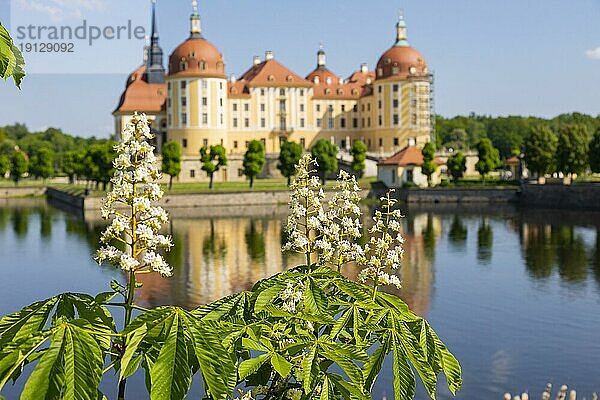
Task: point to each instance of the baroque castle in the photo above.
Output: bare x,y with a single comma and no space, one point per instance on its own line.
195,104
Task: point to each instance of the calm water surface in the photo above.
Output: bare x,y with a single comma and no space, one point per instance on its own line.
514,293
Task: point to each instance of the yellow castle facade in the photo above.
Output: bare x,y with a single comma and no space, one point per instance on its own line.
196,104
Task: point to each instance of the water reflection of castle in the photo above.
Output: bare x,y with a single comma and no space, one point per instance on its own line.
215,257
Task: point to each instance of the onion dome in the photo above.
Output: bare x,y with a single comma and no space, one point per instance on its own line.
196,56
401,61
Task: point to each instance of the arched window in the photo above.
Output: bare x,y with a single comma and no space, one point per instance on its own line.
203,65
271,78
340,91
395,70
354,93
183,64
289,78
327,91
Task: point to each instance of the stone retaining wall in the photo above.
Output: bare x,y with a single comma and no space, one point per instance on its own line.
573,197
454,195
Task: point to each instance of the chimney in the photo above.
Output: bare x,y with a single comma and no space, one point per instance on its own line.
364,68
256,60
233,78
268,55
341,80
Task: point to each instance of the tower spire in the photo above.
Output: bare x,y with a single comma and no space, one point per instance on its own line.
321,58
195,28
155,72
401,38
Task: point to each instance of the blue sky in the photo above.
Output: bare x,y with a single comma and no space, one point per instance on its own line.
533,57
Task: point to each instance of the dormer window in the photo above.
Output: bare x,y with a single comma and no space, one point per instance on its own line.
379,71
395,70
289,78
413,70
271,78
340,91
203,65
183,64
387,61
354,93
327,91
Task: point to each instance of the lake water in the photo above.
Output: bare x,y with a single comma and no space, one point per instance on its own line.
514,293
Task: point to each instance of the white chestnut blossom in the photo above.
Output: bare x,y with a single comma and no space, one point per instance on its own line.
384,250
135,221
291,296
331,232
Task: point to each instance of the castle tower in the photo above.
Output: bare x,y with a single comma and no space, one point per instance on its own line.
196,92
155,71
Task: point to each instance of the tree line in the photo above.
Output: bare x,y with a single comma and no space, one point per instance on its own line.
50,153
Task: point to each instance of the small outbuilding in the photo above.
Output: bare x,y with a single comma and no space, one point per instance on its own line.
404,168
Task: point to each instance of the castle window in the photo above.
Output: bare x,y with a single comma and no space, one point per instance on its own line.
379,71
235,122
233,90
301,107
330,123
396,141
396,119
169,85
355,92
235,144
184,143
380,121
282,92
301,122
183,118
379,104
380,142
340,91
234,106
220,67
319,122
368,106
262,107
327,91
318,108
183,65
301,92
221,102
387,61
263,122
205,118
369,122
247,122
355,123
395,88
362,107
289,78
395,102
271,78
204,84
355,108
362,122
203,65
343,107
330,108
262,92
204,101
395,70
303,143
183,84
379,88
192,173
343,123
169,102
183,101
246,107
204,142
222,119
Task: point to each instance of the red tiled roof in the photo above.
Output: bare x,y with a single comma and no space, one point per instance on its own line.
272,73
142,96
408,156
237,90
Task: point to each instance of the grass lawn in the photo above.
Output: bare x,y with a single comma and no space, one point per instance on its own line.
219,187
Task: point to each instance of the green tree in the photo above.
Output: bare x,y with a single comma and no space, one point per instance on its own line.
254,160
4,165
41,164
171,160
572,149
98,163
429,167
359,155
457,165
11,60
325,154
72,164
212,158
594,152
489,158
456,139
19,166
540,149
289,155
